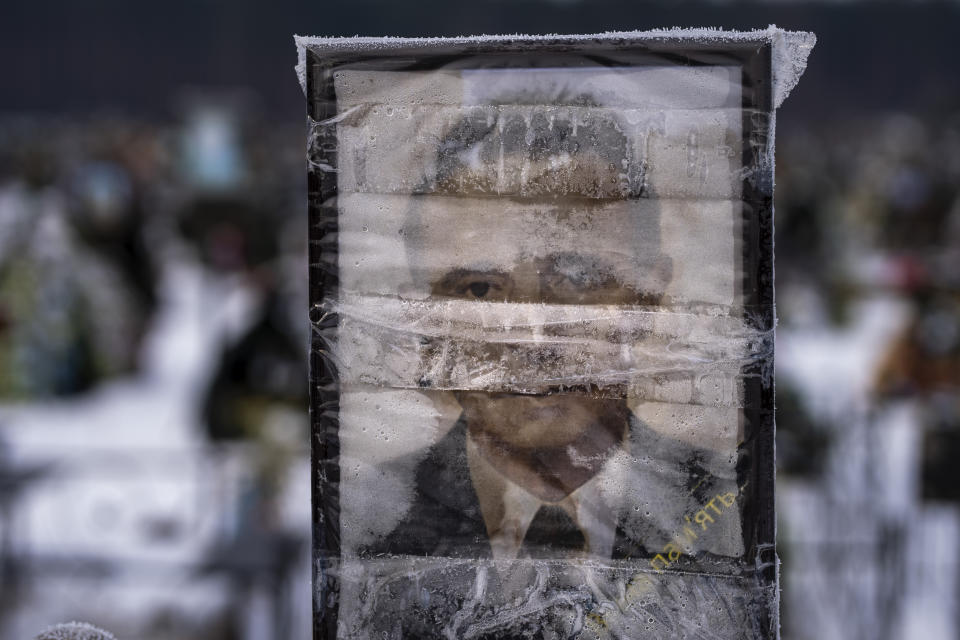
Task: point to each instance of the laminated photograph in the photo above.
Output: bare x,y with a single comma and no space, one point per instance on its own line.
541,280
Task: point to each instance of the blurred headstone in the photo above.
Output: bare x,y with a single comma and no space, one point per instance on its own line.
75,631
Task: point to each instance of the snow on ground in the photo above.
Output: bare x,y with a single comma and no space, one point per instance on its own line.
866,557
133,483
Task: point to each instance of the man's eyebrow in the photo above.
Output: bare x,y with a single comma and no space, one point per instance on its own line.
588,263
451,277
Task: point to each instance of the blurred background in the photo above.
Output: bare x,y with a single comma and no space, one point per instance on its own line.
154,471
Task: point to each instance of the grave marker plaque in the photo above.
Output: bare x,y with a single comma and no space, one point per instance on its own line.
541,287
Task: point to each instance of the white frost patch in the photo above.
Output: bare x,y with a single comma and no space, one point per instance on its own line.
383,434
790,48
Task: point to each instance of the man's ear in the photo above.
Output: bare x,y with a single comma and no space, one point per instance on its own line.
662,272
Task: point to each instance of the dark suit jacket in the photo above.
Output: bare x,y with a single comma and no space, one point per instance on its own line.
445,518
433,576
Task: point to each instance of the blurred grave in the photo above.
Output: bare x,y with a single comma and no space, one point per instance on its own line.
154,400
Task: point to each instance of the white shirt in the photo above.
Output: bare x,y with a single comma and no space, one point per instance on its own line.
508,509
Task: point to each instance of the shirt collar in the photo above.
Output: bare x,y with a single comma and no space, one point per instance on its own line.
508,509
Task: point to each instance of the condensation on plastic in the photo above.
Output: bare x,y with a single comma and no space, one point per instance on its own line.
530,348
524,245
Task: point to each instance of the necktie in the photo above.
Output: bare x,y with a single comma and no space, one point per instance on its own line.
552,534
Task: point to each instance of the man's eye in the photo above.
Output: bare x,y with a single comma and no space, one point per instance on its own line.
474,285
479,289
577,278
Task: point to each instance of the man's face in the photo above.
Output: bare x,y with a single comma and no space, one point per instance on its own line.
553,253
574,231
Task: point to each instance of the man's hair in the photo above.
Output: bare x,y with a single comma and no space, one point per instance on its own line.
536,127
574,150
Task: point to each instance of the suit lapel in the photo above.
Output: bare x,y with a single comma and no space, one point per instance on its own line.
445,518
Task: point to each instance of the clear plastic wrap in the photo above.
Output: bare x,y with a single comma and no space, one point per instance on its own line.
542,355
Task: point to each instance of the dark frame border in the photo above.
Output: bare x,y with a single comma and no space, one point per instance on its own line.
756,466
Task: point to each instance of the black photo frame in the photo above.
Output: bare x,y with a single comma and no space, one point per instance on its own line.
755,465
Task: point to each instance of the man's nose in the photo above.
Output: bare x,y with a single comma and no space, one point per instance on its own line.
528,282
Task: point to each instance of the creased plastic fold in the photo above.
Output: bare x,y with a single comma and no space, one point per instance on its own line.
539,348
